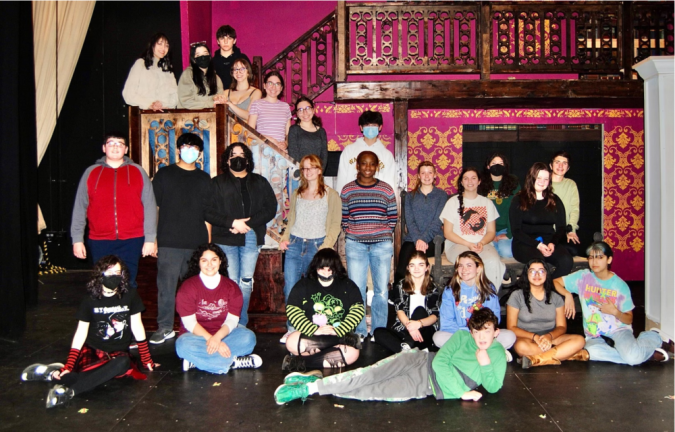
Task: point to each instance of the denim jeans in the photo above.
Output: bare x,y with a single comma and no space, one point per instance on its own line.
129,251
627,349
241,342
503,246
241,262
298,256
172,264
377,256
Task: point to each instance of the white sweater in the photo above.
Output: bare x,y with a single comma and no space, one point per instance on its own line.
145,86
347,167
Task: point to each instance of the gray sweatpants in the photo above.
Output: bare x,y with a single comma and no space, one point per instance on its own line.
397,378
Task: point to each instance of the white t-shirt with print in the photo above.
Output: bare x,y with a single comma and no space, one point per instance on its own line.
478,212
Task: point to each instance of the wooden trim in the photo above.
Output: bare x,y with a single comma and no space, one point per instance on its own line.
484,39
343,40
135,134
401,157
257,72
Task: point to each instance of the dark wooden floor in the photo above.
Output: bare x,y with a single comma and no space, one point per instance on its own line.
571,397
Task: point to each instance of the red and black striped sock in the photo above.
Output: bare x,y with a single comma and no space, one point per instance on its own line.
72,360
144,351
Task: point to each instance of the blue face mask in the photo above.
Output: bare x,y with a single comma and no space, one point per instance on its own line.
371,132
189,154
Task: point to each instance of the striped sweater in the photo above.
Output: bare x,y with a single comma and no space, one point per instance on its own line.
311,305
369,213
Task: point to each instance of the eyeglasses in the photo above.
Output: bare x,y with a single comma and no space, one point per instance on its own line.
241,69
540,272
115,144
273,84
194,44
304,110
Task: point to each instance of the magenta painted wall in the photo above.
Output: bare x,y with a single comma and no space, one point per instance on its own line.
195,19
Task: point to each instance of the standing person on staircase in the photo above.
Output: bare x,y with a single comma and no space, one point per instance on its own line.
227,55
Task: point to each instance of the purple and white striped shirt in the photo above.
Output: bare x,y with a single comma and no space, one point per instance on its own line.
272,118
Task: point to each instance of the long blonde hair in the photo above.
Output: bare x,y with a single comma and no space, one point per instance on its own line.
483,285
315,162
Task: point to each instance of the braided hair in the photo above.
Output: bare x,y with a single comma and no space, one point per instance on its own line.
460,187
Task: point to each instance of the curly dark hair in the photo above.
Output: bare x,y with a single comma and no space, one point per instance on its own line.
326,258
316,120
508,184
460,186
149,54
225,157
193,264
481,317
95,284
524,282
528,195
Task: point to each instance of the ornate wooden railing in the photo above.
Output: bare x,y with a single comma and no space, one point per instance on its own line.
152,142
604,38
307,64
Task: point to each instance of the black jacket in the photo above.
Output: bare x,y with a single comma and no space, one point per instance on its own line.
224,65
224,205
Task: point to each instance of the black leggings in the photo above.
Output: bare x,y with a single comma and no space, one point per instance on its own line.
392,339
407,249
81,382
560,259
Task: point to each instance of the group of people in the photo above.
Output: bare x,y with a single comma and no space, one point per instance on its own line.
207,234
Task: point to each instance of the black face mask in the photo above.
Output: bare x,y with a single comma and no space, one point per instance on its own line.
238,164
111,282
497,170
325,278
203,61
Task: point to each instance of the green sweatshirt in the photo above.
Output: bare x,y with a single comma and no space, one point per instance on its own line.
568,193
459,354
503,205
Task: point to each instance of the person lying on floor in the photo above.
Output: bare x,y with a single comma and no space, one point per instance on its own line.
466,362
209,304
325,307
100,348
607,308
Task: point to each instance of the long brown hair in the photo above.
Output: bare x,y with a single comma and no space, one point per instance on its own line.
483,285
460,187
408,284
418,186
528,195
315,161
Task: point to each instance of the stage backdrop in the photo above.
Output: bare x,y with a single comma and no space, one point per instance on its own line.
436,135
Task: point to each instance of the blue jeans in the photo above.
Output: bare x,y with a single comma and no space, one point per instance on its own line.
627,349
503,246
129,251
378,256
241,262
298,256
241,342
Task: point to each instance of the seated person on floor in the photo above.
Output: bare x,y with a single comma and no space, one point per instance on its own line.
416,309
467,361
325,307
567,191
209,304
469,225
469,290
538,223
535,313
607,305
100,348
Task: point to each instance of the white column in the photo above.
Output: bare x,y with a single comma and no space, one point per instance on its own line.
657,73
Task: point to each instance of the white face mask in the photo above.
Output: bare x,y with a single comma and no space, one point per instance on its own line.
189,154
371,132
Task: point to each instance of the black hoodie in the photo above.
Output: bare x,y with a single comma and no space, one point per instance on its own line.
223,65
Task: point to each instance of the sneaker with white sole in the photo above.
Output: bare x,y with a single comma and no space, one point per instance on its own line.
187,365
660,355
509,356
284,338
252,361
303,378
162,335
405,347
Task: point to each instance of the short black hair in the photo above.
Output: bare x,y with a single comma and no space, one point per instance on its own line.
191,140
481,317
564,154
600,246
118,135
248,155
327,258
226,30
370,117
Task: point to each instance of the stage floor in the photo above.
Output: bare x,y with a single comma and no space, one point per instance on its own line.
572,397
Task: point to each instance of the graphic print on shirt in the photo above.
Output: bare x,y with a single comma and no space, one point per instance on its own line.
467,306
494,196
210,311
474,220
115,323
598,323
327,310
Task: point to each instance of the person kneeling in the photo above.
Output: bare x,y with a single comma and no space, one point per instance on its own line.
325,308
466,362
607,308
100,348
209,304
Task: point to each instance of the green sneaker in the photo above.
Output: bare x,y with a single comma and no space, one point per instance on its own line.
286,393
303,378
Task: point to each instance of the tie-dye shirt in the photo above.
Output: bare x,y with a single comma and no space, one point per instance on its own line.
593,291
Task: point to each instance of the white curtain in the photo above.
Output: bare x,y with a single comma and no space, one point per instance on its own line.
58,35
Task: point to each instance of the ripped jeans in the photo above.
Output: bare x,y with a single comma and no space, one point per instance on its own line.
241,261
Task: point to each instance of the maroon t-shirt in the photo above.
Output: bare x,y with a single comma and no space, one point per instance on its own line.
211,306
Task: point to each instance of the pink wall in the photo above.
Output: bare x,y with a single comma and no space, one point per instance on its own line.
195,17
